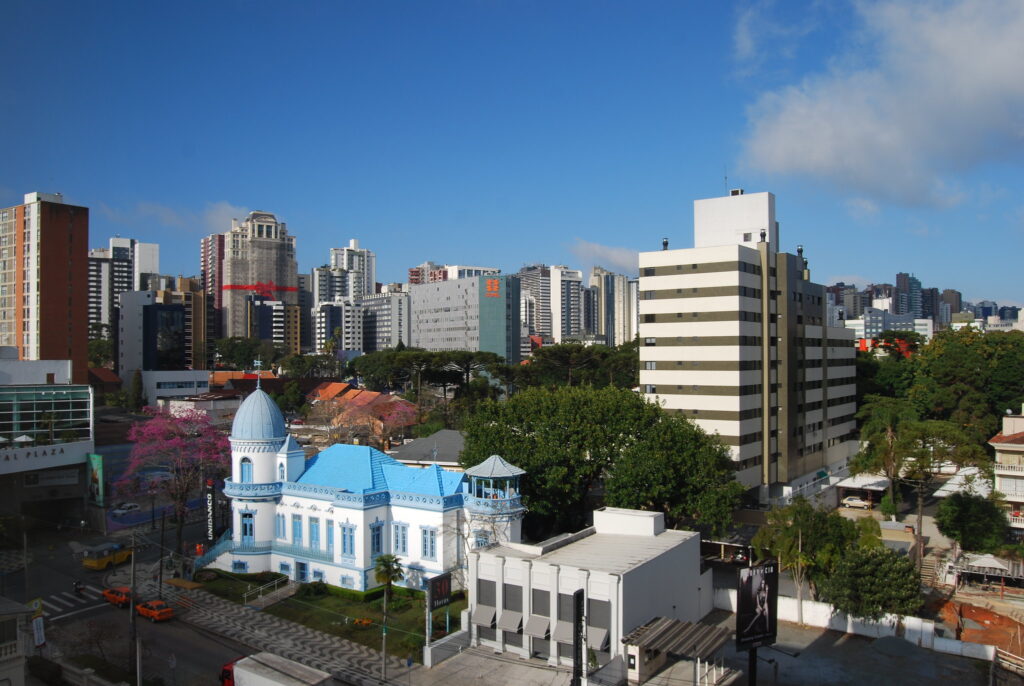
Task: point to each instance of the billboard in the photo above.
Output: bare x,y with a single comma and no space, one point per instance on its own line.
440,590
96,479
757,599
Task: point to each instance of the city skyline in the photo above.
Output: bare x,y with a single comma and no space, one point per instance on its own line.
505,135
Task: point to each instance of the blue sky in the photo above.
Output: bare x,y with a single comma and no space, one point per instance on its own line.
503,133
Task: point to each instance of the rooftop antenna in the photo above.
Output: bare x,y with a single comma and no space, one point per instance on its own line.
725,174
257,364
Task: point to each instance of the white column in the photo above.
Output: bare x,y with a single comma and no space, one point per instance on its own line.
474,570
527,607
499,599
553,650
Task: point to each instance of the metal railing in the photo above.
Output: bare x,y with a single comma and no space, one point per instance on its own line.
223,544
1018,468
269,587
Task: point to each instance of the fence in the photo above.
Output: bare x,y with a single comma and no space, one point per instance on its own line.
920,632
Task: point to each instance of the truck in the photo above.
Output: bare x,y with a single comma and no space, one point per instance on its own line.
268,669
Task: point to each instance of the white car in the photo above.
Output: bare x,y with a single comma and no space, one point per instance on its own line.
856,501
123,509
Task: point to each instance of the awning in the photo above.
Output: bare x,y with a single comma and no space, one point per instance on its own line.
483,615
679,639
597,638
538,627
563,632
510,621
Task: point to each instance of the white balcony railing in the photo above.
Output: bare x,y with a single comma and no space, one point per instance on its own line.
1015,468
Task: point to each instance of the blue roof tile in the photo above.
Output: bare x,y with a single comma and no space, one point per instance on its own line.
362,469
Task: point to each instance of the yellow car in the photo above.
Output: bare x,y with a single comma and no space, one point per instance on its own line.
105,555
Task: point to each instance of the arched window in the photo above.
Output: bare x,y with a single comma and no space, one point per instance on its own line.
280,472
246,470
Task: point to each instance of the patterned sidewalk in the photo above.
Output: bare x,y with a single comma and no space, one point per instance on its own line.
349,662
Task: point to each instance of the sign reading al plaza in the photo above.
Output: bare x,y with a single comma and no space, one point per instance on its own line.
44,456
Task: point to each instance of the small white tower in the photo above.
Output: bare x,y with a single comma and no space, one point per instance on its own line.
257,436
493,506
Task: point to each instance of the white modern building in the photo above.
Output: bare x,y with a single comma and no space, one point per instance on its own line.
1009,466
874,321
328,519
630,567
733,336
386,320
361,264
616,306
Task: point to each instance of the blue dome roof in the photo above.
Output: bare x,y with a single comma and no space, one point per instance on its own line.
258,418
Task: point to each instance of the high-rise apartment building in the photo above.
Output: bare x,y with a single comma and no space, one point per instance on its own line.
275,322
954,299
614,305
386,319
44,306
733,336
125,265
535,290
359,262
340,322
190,295
211,276
259,259
566,304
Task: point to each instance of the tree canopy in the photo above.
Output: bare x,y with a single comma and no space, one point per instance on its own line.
870,582
186,445
974,522
572,439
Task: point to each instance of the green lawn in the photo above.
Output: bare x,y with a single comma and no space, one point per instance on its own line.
349,614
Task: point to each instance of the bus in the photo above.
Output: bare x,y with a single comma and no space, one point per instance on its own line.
105,555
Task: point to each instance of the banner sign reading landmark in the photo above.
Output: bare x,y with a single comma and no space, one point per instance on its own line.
757,598
209,510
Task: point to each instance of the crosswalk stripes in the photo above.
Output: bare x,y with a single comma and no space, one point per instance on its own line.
58,604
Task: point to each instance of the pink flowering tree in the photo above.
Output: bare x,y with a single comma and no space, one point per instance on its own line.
187,445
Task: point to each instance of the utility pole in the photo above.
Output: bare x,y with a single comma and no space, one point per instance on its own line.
132,635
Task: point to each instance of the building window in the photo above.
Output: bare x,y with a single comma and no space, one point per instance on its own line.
348,540
314,533
246,471
650,341
400,539
346,581
650,365
296,529
330,537
286,568
239,566
318,575
376,539
280,527
280,472
429,543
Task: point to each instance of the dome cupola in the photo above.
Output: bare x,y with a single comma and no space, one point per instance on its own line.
258,419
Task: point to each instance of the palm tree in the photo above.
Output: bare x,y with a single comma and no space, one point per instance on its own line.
386,570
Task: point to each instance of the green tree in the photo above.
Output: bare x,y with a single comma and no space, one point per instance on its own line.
101,352
870,582
387,570
974,522
885,445
969,378
291,398
565,438
561,364
239,353
136,399
899,344
677,469
805,541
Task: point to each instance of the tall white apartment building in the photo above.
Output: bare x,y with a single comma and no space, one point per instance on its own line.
341,320
361,264
566,303
733,336
616,307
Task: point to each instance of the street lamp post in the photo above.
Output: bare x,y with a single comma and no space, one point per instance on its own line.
152,507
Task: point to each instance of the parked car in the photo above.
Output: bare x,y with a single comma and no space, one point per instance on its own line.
121,596
856,501
155,610
123,509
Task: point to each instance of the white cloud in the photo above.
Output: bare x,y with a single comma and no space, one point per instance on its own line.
759,37
933,90
862,208
215,217
622,260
